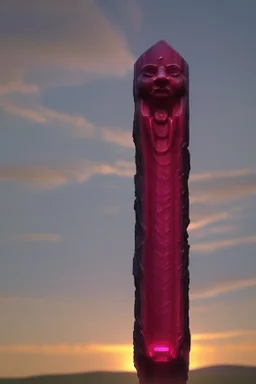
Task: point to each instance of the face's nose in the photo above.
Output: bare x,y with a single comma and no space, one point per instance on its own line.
161,79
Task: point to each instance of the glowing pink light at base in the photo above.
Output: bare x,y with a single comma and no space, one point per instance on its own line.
161,349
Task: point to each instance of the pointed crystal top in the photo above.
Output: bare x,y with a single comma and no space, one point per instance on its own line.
159,51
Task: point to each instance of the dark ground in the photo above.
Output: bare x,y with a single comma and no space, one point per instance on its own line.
210,375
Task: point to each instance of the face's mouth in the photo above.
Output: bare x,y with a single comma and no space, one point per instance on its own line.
161,92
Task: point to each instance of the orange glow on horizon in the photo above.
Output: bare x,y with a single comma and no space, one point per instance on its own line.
200,356
128,365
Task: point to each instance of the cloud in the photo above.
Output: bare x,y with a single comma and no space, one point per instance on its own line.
212,246
210,219
77,124
52,176
222,335
55,175
42,237
222,186
18,87
76,40
119,137
219,175
223,288
218,229
239,347
65,349
222,229
85,349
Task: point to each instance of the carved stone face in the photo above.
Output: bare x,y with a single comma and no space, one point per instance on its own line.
160,81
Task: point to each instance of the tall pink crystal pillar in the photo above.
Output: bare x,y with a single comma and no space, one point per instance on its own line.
160,266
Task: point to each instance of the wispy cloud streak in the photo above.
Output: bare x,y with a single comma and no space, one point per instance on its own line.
218,175
222,186
118,137
18,87
223,335
64,349
216,217
52,176
83,349
212,246
76,124
42,237
219,289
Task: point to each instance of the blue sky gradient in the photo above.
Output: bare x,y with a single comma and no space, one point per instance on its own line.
66,174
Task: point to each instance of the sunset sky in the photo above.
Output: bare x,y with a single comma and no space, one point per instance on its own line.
66,174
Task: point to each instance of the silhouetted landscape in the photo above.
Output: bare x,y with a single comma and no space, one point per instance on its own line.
210,375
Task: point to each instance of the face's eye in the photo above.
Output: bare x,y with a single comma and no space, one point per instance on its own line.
173,70
149,71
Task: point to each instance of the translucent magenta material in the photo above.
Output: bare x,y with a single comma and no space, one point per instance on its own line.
161,137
